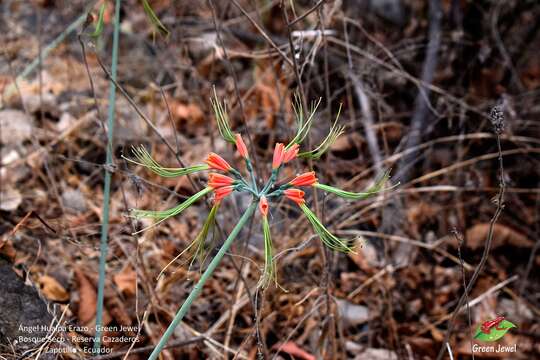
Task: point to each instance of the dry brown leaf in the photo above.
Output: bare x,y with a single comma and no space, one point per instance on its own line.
190,112
126,280
347,142
87,296
264,99
502,235
7,249
118,310
294,350
52,289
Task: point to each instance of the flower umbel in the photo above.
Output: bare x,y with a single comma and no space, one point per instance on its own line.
224,185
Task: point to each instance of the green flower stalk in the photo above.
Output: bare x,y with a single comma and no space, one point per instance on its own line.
269,272
329,239
165,214
303,125
143,158
335,132
226,180
154,20
197,246
222,119
374,189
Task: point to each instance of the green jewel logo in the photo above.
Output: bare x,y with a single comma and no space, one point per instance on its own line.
493,330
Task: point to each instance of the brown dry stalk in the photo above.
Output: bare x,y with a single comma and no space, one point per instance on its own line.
497,121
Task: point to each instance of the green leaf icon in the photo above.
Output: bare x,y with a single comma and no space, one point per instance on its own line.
494,334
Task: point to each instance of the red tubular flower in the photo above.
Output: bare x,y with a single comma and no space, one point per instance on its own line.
295,195
306,179
214,161
222,192
291,153
278,156
216,180
241,147
263,206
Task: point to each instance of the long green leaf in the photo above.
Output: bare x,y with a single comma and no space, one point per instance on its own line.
335,132
303,126
99,24
158,25
222,119
197,246
269,273
329,239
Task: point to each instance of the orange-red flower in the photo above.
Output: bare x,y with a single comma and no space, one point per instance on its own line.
222,192
216,180
263,205
241,147
291,153
306,179
278,156
295,195
214,161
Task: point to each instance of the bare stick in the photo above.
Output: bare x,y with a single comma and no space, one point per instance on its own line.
459,239
418,122
369,123
263,33
303,16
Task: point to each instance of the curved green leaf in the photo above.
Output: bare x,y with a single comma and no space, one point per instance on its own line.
152,17
99,24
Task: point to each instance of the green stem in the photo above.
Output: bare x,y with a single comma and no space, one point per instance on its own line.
239,177
107,184
271,181
252,174
199,286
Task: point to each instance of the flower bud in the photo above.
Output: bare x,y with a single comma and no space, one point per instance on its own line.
263,206
306,179
278,156
295,195
241,147
214,161
216,180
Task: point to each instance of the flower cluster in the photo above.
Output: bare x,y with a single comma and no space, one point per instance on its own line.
223,180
